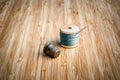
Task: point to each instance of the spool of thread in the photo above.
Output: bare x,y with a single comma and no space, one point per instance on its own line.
69,36
51,49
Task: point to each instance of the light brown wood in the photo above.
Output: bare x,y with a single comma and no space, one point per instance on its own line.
26,25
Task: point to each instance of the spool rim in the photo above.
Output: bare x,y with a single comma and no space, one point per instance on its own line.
69,47
69,29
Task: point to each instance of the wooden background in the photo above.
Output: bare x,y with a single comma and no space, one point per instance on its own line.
26,25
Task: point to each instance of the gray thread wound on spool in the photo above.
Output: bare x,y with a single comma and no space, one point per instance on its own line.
69,39
52,50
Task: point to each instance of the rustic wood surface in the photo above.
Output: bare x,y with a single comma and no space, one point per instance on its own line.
26,25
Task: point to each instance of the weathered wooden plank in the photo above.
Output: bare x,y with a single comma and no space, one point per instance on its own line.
26,25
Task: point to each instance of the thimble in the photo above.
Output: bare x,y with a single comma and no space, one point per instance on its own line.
51,49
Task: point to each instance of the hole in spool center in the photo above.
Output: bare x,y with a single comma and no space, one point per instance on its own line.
70,27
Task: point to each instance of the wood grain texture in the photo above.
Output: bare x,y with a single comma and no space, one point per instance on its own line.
26,25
